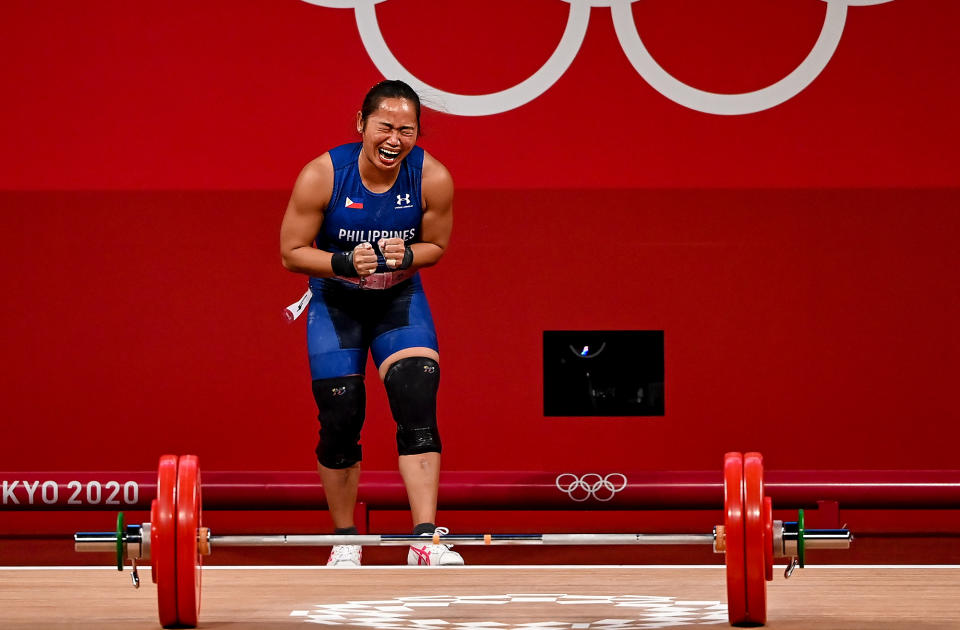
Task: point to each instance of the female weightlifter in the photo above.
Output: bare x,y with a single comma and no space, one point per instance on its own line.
377,211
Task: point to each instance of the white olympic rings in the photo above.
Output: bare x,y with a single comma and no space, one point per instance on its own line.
626,30
590,485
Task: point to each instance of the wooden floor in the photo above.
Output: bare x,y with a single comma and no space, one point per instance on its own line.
485,598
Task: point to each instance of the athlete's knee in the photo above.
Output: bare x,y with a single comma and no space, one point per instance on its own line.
341,404
412,385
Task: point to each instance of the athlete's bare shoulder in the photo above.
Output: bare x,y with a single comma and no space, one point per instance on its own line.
315,184
435,174
319,167
437,185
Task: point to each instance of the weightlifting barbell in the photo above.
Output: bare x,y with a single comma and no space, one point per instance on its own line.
175,541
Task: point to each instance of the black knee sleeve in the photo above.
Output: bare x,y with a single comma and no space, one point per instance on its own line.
412,385
341,403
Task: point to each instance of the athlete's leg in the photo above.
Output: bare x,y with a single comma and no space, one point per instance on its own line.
421,477
420,470
337,356
340,402
407,357
406,353
340,488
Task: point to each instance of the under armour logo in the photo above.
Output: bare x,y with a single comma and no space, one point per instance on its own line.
591,485
403,201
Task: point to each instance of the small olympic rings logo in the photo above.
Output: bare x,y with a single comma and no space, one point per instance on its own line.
591,485
626,30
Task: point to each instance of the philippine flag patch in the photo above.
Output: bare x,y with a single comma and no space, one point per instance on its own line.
354,204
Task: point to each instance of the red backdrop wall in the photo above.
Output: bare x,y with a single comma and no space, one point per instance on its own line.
239,94
801,260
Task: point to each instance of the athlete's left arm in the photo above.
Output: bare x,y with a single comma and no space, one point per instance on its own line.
436,189
437,222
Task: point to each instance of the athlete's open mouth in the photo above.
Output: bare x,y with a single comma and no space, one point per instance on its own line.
388,156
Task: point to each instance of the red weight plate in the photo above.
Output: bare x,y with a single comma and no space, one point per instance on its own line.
754,537
733,524
188,556
163,540
768,536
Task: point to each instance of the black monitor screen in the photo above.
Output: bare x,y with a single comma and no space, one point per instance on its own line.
603,373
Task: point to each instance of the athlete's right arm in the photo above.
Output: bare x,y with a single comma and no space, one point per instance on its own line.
302,220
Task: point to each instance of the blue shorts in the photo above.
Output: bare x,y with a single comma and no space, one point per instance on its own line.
345,321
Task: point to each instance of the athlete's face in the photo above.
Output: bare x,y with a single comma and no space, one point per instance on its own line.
389,132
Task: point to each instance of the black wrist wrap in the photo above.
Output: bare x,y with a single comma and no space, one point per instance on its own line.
407,258
342,264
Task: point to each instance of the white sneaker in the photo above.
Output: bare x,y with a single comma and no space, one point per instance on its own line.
434,555
345,556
